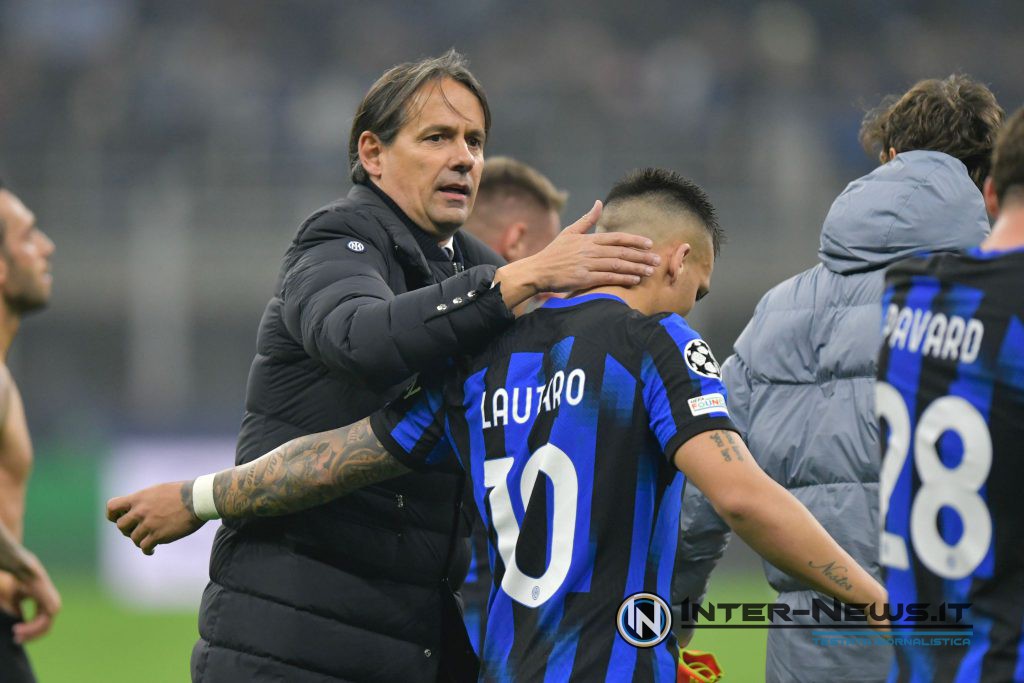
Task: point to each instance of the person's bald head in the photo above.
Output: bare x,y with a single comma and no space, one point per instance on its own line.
517,209
678,217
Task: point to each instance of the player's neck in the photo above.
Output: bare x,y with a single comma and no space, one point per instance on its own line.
9,324
637,297
1008,232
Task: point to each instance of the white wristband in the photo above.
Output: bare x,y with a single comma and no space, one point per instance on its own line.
202,498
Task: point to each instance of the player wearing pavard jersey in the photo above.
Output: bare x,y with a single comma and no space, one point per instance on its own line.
951,401
573,427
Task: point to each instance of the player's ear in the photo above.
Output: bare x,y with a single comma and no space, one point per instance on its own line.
370,151
677,261
513,241
988,191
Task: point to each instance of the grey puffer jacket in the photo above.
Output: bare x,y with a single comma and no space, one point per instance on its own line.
801,387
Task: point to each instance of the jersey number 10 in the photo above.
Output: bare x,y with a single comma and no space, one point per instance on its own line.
553,462
956,488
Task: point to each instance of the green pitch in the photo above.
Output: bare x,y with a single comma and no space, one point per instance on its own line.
96,640
740,652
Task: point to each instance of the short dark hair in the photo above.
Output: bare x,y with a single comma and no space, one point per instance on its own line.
1008,158
504,176
384,109
662,184
955,115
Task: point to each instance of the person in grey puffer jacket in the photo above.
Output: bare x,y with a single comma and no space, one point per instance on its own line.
801,380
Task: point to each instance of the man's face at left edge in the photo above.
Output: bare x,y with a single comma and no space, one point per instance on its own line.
432,167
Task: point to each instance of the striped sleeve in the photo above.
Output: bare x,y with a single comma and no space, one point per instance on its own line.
412,428
682,385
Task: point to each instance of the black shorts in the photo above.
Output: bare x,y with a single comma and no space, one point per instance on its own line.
14,666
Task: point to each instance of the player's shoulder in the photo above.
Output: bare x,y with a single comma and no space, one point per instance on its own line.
672,334
993,270
670,326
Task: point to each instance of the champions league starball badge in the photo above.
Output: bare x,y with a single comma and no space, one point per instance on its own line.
699,358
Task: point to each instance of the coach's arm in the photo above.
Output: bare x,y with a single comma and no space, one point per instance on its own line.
338,305
770,519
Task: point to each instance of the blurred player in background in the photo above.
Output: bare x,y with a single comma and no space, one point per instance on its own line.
517,209
25,285
608,394
516,214
811,346
950,396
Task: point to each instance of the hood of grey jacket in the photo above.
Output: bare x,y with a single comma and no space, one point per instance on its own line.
918,201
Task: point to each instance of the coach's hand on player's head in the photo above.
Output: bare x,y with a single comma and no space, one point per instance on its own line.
159,514
576,260
34,584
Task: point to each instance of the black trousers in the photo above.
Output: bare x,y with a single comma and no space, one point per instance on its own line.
14,666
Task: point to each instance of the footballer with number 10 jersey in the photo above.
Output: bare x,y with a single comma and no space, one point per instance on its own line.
951,400
567,425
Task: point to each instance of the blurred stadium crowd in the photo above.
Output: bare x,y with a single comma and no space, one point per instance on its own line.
172,149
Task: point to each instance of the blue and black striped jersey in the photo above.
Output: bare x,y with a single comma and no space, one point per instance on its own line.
567,425
951,401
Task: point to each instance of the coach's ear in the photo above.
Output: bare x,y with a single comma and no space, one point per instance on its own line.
991,200
677,261
370,149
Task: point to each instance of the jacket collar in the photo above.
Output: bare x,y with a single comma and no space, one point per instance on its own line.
397,226
428,243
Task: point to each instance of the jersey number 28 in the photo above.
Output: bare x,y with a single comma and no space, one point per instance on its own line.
956,488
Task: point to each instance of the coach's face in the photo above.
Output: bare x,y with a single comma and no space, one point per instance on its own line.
25,252
432,168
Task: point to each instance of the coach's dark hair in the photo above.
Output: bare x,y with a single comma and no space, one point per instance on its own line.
385,110
1008,158
955,115
662,184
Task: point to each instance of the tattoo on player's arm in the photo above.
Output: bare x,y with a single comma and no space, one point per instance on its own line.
305,472
186,497
735,445
835,574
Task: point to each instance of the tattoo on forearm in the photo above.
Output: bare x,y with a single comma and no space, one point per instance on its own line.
305,472
837,575
12,554
186,497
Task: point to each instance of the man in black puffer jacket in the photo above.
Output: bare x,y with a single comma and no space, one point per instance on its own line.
375,288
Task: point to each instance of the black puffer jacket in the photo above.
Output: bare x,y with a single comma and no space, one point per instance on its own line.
348,591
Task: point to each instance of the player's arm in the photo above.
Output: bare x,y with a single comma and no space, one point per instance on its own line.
770,519
302,473
33,583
